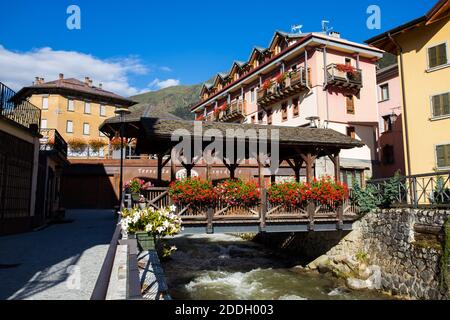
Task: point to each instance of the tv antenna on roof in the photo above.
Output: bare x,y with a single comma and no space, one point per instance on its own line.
296,28
325,28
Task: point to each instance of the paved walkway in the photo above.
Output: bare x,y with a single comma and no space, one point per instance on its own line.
60,262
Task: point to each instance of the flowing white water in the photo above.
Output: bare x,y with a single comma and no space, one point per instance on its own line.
227,267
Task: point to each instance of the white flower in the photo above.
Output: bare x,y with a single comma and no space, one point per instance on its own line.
149,228
173,208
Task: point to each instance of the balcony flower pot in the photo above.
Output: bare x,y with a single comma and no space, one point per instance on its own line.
146,241
142,205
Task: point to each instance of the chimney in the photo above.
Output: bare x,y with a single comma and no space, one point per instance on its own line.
90,82
100,85
36,81
86,81
335,34
61,76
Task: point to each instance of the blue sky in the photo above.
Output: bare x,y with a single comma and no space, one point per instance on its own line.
136,45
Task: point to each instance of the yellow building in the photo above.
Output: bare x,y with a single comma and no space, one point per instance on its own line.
422,47
76,109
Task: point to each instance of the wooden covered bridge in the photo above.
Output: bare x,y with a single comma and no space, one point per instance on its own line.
297,146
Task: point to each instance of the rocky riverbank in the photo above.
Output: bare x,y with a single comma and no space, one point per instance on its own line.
396,251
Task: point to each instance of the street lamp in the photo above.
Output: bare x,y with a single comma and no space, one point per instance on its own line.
121,112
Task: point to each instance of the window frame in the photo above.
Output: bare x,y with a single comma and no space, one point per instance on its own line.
68,105
381,86
433,117
87,103
100,110
43,98
84,127
436,158
429,69
67,126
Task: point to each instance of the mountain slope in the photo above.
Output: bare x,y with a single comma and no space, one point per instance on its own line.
176,100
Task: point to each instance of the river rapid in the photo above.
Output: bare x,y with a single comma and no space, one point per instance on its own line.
226,267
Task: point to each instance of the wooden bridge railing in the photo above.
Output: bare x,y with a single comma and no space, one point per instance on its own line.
264,213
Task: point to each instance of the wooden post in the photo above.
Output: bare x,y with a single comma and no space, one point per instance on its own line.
309,159
262,189
159,176
337,165
311,209
208,172
173,167
209,221
340,216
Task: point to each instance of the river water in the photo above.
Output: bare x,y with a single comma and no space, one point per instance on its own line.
225,267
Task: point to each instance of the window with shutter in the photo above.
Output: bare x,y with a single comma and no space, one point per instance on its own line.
440,105
443,156
437,55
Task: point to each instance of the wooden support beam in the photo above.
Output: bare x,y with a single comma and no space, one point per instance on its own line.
173,166
159,169
208,172
309,159
262,189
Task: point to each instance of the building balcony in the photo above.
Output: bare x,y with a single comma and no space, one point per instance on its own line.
338,76
52,141
21,112
235,111
293,83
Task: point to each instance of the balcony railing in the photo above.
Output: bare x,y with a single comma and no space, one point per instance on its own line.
21,112
235,111
293,83
52,141
337,77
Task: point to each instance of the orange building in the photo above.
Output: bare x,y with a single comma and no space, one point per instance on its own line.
75,109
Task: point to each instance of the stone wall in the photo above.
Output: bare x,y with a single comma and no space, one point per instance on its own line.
409,265
388,240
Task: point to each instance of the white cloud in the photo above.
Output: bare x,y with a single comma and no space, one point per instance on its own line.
161,84
166,69
18,69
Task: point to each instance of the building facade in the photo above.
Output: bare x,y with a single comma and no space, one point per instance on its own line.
390,140
300,79
75,109
422,47
19,159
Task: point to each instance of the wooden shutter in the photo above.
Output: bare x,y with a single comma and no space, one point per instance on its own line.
445,104
436,106
350,104
443,156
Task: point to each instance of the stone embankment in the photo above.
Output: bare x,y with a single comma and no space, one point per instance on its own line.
399,251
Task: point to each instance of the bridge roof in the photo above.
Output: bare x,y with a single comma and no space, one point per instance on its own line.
154,133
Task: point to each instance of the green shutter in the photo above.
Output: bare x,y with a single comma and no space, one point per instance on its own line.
445,104
440,155
432,56
436,106
441,54
447,155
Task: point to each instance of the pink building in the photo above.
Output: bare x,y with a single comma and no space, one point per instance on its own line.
390,140
301,78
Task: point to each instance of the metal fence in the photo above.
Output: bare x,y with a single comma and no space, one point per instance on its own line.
422,190
21,112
